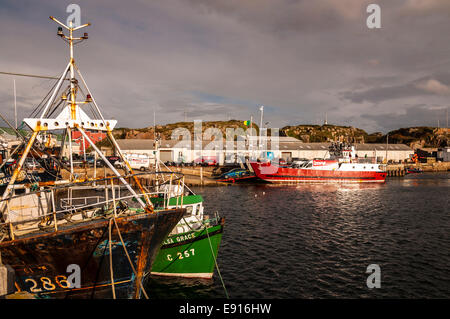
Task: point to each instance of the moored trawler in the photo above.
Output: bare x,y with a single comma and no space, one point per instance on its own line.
191,248
342,166
112,243
65,246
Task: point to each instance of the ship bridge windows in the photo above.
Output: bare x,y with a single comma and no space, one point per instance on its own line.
305,165
193,210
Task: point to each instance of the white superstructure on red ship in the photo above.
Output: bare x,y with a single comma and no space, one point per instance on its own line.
344,166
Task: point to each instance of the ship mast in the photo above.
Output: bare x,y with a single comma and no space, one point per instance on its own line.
72,117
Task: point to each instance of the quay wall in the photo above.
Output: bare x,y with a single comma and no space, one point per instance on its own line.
196,176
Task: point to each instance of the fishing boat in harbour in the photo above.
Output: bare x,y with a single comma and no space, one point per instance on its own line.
237,175
191,248
62,238
342,166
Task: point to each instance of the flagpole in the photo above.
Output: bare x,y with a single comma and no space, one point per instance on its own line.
250,144
15,104
260,126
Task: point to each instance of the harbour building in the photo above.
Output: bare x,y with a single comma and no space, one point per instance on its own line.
232,151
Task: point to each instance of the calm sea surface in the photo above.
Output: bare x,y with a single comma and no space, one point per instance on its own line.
316,241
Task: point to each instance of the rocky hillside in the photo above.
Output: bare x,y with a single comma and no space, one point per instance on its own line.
325,133
165,131
415,137
418,137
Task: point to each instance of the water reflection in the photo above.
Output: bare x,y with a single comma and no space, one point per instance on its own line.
316,240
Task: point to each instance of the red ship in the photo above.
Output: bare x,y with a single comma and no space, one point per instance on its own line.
342,166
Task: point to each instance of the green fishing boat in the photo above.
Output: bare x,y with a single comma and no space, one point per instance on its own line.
190,250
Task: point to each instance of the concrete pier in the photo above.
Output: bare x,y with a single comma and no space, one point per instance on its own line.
7,278
203,176
395,170
194,176
399,170
431,167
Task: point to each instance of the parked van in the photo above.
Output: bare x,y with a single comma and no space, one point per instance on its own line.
137,161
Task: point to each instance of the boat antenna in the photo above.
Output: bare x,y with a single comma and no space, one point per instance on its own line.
71,40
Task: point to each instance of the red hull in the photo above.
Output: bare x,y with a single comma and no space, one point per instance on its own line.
275,174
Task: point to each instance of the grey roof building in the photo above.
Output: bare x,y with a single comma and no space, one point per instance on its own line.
171,150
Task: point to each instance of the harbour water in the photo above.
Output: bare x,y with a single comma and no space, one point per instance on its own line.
316,241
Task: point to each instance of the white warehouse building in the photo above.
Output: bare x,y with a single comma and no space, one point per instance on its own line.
288,148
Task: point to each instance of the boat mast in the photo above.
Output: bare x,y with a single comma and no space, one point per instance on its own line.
387,146
72,117
15,104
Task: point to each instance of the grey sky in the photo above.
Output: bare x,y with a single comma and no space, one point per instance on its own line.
217,59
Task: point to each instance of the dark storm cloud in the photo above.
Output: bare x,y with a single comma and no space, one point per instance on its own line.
416,115
438,84
382,93
287,15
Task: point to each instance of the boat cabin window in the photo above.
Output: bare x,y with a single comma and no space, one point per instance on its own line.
189,210
199,209
19,191
309,165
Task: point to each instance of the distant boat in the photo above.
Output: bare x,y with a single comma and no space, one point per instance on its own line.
414,170
237,175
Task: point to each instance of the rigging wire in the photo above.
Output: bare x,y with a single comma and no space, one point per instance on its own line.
217,266
54,109
30,75
93,112
40,106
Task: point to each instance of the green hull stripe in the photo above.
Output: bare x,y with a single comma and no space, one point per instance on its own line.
187,200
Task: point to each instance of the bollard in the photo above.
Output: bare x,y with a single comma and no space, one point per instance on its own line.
201,175
7,278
